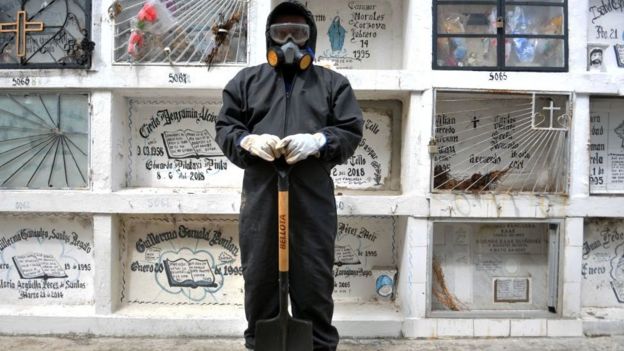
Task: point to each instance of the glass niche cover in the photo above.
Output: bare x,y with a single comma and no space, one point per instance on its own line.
44,140
180,31
503,143
45,34
494,266
501,34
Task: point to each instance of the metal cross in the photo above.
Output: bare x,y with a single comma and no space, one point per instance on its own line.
20,27
552,110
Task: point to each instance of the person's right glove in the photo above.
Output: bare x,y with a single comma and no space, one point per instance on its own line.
298,147
263,146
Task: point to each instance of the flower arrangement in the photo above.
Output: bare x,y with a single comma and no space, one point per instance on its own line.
153,18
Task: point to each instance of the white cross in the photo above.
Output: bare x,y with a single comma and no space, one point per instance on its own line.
552,110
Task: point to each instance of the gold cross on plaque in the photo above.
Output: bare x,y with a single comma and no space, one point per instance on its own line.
20,27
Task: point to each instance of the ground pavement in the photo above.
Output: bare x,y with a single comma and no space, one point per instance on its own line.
83,343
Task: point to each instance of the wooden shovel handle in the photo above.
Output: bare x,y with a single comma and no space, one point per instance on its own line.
283,230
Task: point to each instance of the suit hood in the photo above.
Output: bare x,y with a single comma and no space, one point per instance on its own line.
292,8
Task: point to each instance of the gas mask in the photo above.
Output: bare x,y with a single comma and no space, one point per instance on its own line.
290,36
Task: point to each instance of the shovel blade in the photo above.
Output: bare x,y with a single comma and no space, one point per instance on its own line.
270,334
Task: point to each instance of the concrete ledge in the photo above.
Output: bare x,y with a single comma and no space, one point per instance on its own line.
192,201
352,320
529,327
604,327
420,328
492,327
565,327
598,321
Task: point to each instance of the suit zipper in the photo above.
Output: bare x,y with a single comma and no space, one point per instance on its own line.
288,93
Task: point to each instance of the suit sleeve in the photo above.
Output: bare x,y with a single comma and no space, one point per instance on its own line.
231,126
344,131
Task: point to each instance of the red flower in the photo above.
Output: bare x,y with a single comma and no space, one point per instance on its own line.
148,13
135,43
136,39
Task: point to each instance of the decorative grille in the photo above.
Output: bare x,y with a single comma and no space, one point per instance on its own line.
501,142
44,140
180,31
45,34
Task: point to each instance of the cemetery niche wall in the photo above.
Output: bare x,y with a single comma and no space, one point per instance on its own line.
45,34
173,260
172,144
605,48
46,260
501,34
495,142
362,34
603,263
494,266
606,159
44,140
180,31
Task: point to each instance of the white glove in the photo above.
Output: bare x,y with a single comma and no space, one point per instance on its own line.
298,147
263,146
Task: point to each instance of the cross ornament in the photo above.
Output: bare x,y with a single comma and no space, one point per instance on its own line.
552,110
20,27
475,121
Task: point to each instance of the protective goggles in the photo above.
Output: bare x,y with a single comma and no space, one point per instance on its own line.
280,33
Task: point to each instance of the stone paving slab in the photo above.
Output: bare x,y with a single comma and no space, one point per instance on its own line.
82,343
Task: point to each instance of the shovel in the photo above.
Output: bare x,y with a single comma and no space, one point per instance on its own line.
283,333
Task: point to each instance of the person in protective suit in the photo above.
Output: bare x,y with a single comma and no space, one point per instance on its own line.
309,115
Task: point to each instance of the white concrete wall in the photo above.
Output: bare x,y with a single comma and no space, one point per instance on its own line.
109,199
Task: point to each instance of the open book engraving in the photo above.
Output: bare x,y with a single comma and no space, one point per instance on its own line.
189,143
38,266
189,273
344,255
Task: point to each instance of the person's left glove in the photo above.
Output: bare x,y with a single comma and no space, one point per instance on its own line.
298,147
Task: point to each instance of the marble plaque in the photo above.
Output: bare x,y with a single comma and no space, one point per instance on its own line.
370,166
603,263
360,34
362,245
46,260
490,266
172,144
606,159
170,260
512,289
